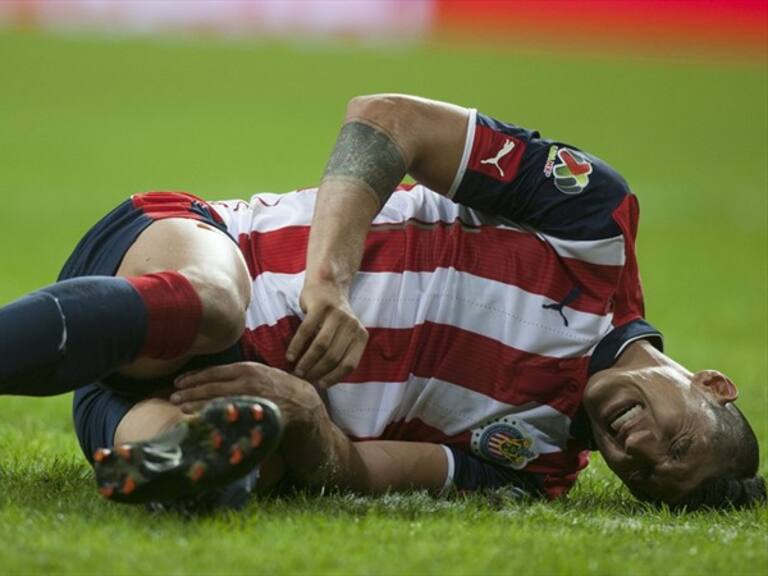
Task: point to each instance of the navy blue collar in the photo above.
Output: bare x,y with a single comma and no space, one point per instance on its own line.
613,345
605,355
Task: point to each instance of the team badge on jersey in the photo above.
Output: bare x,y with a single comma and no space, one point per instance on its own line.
572,172
505,441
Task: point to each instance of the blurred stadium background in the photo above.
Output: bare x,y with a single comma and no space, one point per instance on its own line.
103,98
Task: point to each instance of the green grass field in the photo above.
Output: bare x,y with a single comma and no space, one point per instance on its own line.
86,122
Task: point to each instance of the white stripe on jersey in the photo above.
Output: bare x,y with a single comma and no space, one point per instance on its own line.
492,309
605,252
365,410
268,212
274,296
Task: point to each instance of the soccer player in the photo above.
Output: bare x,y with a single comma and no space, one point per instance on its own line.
481,329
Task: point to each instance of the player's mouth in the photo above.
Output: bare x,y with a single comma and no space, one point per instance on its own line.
623,417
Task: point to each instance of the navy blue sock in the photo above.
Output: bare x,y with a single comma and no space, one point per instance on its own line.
69,334
77,331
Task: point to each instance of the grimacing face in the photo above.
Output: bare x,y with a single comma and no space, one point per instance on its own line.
656,425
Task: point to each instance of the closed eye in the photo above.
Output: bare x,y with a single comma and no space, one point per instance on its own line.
680,448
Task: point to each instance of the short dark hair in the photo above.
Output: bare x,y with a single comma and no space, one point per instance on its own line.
739,486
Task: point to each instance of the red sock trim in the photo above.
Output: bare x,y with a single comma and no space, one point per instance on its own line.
174,312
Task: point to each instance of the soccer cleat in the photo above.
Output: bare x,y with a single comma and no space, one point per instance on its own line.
101,454
129,485
197,471
107,491
256,438
236,455
233,414
225,441
125,452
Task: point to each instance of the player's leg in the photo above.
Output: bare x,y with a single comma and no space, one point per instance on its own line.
184,292
161,455
214,267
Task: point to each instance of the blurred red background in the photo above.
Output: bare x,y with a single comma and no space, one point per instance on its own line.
737,27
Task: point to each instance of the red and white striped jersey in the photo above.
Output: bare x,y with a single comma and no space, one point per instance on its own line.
482,322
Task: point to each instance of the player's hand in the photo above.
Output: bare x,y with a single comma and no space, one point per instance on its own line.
297,399
330,341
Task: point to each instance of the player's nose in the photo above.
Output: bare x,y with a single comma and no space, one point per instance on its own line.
642,446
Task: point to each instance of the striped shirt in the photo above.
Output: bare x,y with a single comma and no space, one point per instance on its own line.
483,309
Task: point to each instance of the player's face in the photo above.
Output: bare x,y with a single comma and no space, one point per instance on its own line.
655,426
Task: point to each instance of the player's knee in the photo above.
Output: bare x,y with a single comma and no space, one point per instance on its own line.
224,300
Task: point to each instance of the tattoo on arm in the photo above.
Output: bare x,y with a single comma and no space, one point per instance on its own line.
367,155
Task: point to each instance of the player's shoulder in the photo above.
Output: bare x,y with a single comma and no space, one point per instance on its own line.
572,171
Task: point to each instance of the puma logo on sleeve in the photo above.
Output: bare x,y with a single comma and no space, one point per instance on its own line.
508,146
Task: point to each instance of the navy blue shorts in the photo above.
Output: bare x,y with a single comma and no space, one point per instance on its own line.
99,407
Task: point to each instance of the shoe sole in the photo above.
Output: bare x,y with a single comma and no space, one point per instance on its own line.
229,438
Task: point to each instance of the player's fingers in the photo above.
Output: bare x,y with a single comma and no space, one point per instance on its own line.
332,357
213,374
347,365
317,349
203,392
302,337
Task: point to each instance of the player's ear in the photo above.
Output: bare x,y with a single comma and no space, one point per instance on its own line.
717,385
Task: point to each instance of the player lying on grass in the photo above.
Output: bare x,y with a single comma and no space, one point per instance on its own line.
481,329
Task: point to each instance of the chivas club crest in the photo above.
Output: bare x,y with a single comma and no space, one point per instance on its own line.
505,441
572,172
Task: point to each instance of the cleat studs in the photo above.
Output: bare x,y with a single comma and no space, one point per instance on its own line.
236,455
129,485
196,472
125,452
232,413
107,491
101,454
216,439
257,412
256,437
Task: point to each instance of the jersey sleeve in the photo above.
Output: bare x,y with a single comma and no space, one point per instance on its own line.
553,187
471,474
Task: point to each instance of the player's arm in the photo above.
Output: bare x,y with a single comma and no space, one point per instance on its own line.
498,168
381,466
316,452
383,138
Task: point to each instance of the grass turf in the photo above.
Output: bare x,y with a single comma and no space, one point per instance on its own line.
85,122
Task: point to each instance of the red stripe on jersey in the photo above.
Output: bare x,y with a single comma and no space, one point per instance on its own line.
629,303
559,470
248,249
495,154
283,251
474,362
498,254
269,344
